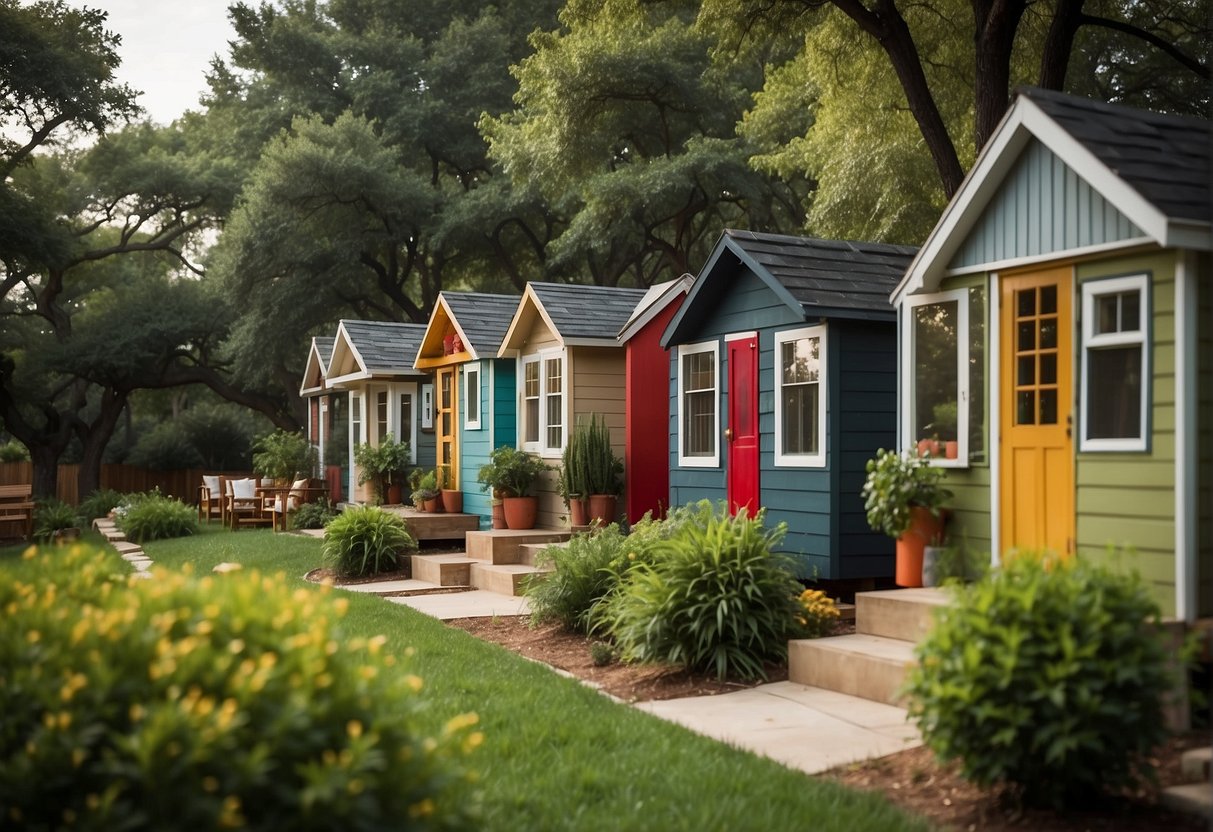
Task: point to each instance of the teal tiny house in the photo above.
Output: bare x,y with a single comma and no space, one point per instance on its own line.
783,385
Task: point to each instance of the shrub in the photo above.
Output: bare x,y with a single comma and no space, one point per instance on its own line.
714,599
207,703
315,515
52,515
166,446
582,577
151,516
601,653
1046,676
98,504
284,455
13,451
365,541
817,613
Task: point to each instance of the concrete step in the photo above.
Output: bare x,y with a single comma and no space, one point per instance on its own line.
443,570
528,551
504,545
114,536
872,667
502,578
1192,799
123,547
903,614
1196,762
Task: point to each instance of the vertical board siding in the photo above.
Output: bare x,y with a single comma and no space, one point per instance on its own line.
1204,419
1126,501
646,467
1042,207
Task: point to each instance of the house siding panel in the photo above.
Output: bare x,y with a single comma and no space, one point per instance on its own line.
1204,449
497,427
646,465
1042,207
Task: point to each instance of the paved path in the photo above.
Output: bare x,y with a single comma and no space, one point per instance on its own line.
477,603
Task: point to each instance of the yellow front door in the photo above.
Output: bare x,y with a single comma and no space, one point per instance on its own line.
447,428
1037,451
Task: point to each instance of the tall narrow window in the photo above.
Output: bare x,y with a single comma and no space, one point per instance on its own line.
530,401
1115,364
698,402
799,392
554,397
404,426
356,418
381,419
471,396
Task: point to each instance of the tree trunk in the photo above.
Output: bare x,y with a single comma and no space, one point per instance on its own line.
94,437
46,470
995,24
1059,43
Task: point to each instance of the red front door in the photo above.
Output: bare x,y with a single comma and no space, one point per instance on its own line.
742,433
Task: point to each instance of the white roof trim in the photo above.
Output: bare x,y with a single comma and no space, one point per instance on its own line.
314,361
1023,122
507,341
658,297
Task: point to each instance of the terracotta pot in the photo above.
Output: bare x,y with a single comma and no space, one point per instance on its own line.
394,494
520,512
434,505
498,513
931,447
924,527
951,449
452,501
579,511
602,508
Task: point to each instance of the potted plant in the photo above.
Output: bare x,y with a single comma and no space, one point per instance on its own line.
284,456
385,466
55,521
427,491
512,474
599,469
452,498
902,497
572,481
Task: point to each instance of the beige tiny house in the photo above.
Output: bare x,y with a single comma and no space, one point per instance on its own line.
569,365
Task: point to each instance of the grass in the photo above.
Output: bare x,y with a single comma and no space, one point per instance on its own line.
558,755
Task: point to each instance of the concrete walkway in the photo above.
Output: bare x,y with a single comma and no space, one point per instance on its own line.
476,603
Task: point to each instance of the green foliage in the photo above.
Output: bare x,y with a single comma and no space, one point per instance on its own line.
190,713
715,599
284,455
13,451
582,578
314,515
817,614
52,515
151,516
896,483
1047,676
382,464
601,653
365,540
167,446
510,472
98,504
590,465
427,486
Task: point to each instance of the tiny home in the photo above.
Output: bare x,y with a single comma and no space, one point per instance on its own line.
783,386
1057,326
570,365
646,461
324,415
372,363
474,402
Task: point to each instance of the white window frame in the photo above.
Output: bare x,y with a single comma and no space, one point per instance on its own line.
961,296
1091,290
817,460
712,461
394,408
471,371
427,406
541,447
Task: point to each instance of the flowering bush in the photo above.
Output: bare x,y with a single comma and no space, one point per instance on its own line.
224,701
817,613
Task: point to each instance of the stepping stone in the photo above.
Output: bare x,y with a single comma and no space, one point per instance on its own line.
141,574
142,566
114,536
125,546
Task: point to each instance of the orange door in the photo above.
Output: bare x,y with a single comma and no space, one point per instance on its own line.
1036,448
742,433
447,428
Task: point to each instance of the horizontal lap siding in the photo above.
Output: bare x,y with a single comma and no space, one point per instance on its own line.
497,427
1204,504
1127,500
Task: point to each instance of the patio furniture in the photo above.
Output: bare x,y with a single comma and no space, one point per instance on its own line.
247,503
210,498
17,506
285,500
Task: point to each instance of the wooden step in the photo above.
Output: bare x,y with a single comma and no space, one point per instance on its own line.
443,570
502,578
504,545
425,525
528,551
903,614
860,664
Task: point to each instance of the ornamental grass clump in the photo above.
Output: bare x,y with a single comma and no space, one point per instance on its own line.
581,576
153,516
1046,677
365,541
714,599
208,703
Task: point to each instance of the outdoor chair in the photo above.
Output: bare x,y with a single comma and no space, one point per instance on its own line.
210,498
17,507
247,503
286,500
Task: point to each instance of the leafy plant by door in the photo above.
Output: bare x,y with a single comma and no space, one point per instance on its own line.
382,464
510,472
896,483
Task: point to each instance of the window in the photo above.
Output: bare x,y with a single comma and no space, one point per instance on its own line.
381,418
404,426
945,365
543,407
471,397
800,417
698,405
356,418
1115,364
427,407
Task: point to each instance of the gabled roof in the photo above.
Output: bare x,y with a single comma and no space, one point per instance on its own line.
317,365
814,278
374,349
1153,168
480,319
577,315
657,298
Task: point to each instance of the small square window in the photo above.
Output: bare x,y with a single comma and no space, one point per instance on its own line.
800,411
1114,397
698,405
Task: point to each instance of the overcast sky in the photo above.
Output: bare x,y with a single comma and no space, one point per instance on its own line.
166,47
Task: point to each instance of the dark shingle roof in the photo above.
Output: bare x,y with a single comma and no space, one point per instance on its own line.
587,311
385,346
483,318
829,274
1165,158
324,349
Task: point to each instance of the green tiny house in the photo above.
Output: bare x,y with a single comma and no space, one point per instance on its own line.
1056,332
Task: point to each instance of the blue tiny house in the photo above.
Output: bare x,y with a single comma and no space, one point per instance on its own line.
783,384
475,407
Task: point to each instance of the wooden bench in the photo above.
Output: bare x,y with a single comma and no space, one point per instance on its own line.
17,506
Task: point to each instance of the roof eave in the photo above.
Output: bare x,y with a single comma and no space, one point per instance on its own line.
674,291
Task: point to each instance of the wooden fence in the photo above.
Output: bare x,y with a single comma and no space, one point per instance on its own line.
181,483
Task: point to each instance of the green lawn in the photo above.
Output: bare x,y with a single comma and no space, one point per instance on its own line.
558,755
